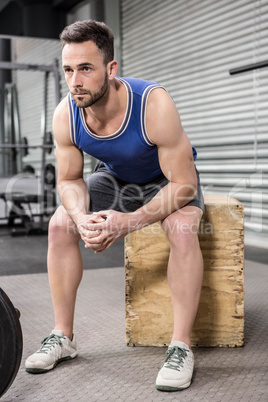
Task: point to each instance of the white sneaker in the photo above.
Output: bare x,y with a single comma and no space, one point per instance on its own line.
55,348
177,370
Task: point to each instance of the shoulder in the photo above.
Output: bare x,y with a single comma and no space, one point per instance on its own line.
61,111
138,85
61,125
159,97
162,118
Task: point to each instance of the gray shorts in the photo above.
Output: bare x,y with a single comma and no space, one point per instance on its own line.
108,192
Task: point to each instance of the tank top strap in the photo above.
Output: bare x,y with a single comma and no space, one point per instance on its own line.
71,118
142,89
144,100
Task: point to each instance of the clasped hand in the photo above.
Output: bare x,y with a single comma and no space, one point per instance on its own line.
101,229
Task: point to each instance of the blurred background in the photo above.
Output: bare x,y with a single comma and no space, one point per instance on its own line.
192,47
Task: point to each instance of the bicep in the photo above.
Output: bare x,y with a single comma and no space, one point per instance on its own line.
70,161
176,159
165,130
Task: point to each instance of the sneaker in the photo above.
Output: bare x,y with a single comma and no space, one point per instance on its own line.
177,370
55,348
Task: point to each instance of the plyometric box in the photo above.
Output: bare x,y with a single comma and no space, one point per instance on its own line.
220,317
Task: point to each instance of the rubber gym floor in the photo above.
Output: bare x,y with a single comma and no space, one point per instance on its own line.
106,369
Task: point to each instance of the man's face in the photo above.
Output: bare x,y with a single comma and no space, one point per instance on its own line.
85,73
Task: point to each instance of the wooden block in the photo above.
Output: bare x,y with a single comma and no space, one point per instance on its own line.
220,317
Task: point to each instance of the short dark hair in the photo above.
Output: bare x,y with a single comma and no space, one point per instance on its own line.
90,30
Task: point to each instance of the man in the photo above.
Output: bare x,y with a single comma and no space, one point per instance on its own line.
146,173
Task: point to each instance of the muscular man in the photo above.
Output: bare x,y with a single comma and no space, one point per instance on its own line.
146,173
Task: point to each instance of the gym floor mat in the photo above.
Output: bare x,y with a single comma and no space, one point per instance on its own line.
107,370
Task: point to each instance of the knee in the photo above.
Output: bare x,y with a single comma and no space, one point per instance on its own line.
62,229
182,231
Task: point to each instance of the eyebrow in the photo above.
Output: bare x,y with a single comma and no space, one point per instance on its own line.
79,65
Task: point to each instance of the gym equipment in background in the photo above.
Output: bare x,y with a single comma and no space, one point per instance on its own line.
20,186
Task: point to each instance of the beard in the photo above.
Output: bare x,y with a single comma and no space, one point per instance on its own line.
92,98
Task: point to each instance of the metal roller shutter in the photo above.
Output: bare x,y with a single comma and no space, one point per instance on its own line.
189,47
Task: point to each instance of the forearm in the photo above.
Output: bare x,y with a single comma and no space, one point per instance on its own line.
74,197
116,225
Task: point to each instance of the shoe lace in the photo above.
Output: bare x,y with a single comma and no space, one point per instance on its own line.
175,357
48,343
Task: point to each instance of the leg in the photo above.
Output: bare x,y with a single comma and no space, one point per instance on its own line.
65,273
65,266
65,269
185,269
185,272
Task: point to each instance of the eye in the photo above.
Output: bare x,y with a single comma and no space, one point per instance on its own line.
67,70
87,69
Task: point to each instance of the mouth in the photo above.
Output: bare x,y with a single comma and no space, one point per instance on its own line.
79,94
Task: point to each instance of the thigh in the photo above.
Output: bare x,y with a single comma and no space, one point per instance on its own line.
198,200
107,192
151,189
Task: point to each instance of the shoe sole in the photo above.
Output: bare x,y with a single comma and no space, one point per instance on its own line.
41,370
172,389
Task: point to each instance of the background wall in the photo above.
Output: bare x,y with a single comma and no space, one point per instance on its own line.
30,85
189,47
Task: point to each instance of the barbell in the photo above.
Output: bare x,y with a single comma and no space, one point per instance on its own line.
11,342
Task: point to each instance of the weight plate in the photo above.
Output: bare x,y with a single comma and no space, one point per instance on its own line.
10,343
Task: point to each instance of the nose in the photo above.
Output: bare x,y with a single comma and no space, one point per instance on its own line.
76,80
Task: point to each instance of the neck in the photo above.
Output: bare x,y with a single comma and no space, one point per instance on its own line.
106,116
108,106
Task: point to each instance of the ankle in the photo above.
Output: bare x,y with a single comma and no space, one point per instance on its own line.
185,340
67,333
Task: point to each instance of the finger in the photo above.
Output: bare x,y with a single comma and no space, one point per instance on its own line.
90,234
89,223
92,246
100,239
101,243
98,218
95,247
97,242
104,248
95,226
103,213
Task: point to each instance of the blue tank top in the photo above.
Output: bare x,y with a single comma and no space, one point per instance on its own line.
128,154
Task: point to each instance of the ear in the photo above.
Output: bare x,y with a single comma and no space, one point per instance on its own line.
112,67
